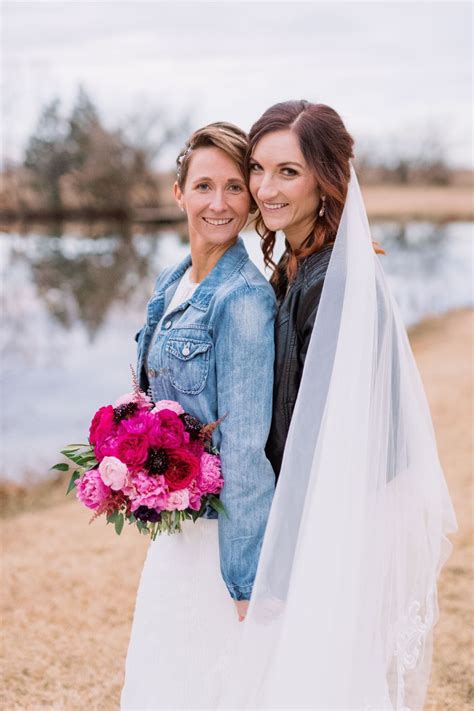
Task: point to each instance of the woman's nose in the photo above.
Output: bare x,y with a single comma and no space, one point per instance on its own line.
266,190
218,202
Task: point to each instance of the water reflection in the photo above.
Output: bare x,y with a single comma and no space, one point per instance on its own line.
73,299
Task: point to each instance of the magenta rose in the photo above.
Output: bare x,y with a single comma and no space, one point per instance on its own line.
183,467
154,430
172,430
132,449
210,479
150,491
91,490
139,423
106,448
102,425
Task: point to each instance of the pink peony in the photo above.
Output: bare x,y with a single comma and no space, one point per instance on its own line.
172,430
148,491
132,449
125,399
91,490
195,496
178,500
140,398
168,405
102,425
210,479
113,472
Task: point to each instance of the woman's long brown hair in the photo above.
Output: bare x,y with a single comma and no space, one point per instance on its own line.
327,149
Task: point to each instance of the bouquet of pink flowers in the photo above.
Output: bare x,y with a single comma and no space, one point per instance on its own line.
151,464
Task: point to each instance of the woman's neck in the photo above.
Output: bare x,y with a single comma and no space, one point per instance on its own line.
298,233
204,256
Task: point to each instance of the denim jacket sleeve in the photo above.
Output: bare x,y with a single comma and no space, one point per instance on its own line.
244,342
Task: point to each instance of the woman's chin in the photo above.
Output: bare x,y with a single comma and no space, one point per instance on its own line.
273,224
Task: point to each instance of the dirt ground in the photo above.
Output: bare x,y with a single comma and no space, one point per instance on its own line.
69,588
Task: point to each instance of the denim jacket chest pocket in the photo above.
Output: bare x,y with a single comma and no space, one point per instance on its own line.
187,362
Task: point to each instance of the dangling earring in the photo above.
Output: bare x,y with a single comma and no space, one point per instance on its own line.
323,207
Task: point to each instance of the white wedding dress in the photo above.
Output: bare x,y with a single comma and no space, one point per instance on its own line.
185,624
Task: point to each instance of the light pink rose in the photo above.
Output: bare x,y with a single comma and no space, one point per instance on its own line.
210,480
168,405
91,490
178,500
113,472
145,490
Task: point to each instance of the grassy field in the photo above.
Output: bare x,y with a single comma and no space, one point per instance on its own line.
69,588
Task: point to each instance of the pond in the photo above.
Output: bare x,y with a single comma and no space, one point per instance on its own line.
73,300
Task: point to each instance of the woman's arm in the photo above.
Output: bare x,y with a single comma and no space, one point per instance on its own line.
244,344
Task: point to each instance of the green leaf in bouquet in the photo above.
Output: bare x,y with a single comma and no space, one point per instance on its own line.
72,482
119,521
217,505
67,452
112,517
61,467
131,518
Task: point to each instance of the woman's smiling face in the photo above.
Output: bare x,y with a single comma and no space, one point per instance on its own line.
283,186
214,196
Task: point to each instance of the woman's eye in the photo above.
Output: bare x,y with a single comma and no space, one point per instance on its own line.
235,188
203,187
254,167
289,171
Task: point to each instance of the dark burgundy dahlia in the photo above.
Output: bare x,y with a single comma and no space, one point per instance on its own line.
122,412
191,424
157,461
143,513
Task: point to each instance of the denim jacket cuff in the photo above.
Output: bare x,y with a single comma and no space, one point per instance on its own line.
237,593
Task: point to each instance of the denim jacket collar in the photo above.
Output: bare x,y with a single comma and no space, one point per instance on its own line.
232,260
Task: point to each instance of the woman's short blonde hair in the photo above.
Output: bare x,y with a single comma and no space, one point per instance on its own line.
229,138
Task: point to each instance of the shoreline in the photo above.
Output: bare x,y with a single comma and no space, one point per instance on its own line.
44,489
383,202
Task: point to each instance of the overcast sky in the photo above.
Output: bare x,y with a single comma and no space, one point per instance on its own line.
389,68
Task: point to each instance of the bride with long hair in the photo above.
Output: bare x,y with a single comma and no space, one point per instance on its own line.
345,597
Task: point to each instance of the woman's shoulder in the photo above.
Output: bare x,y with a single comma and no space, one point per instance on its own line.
315,266
247,289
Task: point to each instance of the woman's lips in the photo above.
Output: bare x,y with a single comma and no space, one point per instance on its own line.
274,206
217,223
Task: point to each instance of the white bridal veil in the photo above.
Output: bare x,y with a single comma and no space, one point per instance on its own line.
345,600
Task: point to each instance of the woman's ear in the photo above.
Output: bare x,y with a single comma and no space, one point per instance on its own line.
178,196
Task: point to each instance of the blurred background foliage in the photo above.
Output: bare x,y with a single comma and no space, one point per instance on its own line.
77,166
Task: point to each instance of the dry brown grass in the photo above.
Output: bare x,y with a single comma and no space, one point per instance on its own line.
69,588
418,202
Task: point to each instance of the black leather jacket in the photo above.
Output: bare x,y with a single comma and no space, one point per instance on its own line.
293,327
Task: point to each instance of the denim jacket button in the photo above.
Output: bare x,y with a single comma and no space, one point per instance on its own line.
186,351
151,372
167,324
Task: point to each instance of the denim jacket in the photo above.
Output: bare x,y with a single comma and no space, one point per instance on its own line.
214,354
